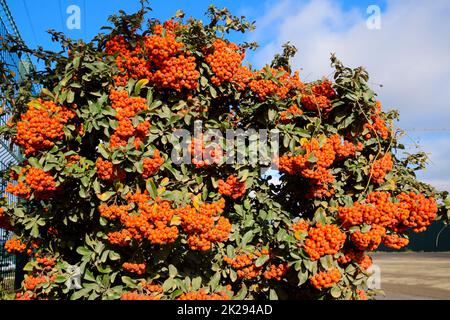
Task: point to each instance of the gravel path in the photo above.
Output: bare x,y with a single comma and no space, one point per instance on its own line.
414,275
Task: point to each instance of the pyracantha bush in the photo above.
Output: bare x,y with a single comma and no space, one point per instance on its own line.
98,190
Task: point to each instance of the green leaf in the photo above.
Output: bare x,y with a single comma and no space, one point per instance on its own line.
70,96
105,196
60,279
273,295
203,81
85,181
83,251
196,283
139,85
102,150
213,92
214,282
89,276
128,282
302,277
113,255
312,158
81,293
151,188
233,276
28,267
261,260
320,216
34,163
248,236
326,262
172,271
242,293
335,292
168,284
47,92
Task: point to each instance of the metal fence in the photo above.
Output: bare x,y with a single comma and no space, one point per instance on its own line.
9,153
7,265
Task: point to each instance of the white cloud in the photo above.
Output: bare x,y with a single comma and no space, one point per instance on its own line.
438,171
409,56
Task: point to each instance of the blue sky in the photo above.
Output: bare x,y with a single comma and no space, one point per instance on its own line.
409,54
35,17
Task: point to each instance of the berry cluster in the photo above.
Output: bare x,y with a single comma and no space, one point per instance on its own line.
344,148
264,87
244,264
177,73
138,296
350,255
203,155
19,189
232,187
33,181
276,272
225,60
323,240
290,113
378,125
369,240
152,165
15,246
411,210
319,98
31,282
299,227
127,59
203,295
26,296
72,160
114,211
170,66
325,279
41,183
394,241
150,221
316,160
150,287
160,58
380,168
41,126
422,211
137,268
202,225
242,78
45,262
127,107
107,171
361,294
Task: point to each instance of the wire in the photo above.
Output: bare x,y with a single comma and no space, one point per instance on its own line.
33,32
84,20
61,15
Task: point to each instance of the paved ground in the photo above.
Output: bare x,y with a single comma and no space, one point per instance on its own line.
414,275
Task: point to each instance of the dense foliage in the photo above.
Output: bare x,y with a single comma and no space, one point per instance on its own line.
98,188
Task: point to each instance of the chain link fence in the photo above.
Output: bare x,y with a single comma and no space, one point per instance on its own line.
10,275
